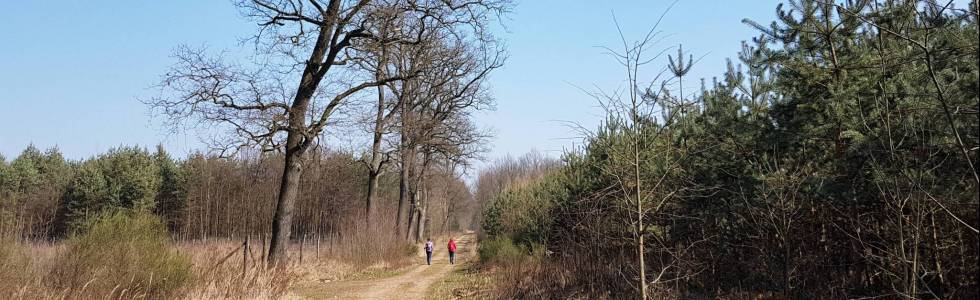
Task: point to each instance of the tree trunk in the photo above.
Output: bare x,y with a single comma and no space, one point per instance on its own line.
446,225
282,220
408,161
402,190
423,213
296,143
371,195
420,224
412,211
640,229
374,168
416,176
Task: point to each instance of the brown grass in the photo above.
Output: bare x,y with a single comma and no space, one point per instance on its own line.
22,269
221,272
120,254
468,282
531,279
220,268
25,271
355,251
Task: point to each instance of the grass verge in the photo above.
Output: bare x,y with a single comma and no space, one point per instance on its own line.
468,282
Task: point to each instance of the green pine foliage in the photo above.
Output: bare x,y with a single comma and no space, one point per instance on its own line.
121,178
835,159
30,186
171,197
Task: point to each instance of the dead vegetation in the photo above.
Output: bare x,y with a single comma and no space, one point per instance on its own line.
128,256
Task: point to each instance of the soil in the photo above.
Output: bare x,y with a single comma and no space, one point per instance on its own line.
408,284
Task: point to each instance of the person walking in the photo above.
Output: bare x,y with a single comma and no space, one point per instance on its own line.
452,251
428,251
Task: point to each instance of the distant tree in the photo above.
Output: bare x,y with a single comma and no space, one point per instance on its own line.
126,178
4,175
171,199
434,107
30,188
6,192
26,170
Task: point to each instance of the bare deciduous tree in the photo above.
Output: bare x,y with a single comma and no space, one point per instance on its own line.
434,107
311,45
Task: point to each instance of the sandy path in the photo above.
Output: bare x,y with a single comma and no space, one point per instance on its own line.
410,284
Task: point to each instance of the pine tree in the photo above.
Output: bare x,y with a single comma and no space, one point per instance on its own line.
171,199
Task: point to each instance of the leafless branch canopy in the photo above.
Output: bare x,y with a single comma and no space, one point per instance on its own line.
310,57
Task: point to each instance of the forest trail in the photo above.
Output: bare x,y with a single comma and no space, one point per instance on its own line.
410,284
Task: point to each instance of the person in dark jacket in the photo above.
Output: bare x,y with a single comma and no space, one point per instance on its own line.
428,251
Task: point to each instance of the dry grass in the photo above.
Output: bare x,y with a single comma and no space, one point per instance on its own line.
22,269
473,280
365,245
222,270
24,276
526,280
354,252
469,282
120,254
25,271
532,276
219,269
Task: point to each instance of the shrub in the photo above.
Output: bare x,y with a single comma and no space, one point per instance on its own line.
524,212
121,253
502,250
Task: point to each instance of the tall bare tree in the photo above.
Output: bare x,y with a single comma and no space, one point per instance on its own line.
434,106
384,110
310,45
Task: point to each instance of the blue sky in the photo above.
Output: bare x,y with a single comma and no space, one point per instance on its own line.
71,71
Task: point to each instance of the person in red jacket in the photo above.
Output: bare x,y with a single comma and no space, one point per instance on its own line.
452,251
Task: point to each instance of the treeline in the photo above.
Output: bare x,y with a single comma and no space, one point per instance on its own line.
45,196
836,159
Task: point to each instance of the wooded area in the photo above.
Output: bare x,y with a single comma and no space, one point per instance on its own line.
206,197
427,61
834,159
267,176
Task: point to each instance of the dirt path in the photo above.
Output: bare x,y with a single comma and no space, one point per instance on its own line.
410,284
